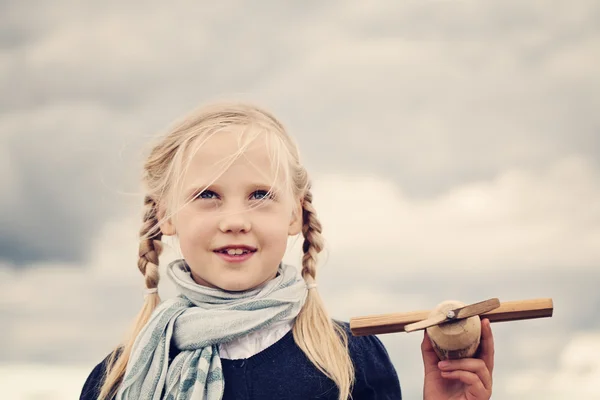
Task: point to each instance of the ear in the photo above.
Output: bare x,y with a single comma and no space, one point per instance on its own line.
296,221
166,226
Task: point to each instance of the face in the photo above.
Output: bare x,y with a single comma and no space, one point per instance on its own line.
234,210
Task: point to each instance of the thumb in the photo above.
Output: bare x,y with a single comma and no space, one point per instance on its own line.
430,359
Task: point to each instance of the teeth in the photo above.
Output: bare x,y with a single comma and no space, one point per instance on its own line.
233,252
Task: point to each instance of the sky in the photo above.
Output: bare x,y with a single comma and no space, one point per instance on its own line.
454,149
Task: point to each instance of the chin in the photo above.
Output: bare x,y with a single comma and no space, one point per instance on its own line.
240,285
237,286
232,281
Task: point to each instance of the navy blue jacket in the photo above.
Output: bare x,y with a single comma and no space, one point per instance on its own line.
282,371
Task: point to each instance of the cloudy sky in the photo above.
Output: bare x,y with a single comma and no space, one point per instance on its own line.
454,148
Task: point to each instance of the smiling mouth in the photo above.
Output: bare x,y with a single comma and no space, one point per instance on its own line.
235,256
244,251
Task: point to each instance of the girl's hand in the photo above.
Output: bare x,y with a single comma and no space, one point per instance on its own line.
464,379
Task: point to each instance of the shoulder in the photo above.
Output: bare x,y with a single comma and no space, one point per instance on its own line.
361,345
376,377
93,383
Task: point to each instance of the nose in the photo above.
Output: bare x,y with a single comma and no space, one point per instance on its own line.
235,222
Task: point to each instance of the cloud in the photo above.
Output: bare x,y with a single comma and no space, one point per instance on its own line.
439,97
429,95
576,375
520,220
83,310
65,174
52,383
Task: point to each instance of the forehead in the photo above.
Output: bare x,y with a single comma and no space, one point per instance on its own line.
231,156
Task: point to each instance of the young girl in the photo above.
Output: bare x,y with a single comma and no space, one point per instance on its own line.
227,183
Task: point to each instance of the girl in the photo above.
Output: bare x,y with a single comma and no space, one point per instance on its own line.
227,183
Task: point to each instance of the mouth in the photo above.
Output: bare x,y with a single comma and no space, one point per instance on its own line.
235,250
235,254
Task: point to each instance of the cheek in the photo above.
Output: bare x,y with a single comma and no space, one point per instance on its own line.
193,230
273,231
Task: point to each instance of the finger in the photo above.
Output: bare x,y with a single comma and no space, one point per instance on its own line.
473,365
474,385
430,359
487,345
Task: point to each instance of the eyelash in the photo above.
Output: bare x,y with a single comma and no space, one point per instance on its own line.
268,195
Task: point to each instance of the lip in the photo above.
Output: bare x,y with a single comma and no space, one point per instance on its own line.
234,259
235,246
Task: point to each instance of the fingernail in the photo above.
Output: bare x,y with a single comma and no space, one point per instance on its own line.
443,364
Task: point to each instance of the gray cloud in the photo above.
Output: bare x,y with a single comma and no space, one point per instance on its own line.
428,94
65,177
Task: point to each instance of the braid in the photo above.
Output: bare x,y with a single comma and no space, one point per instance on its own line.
313,241
150,249
150,244
324,342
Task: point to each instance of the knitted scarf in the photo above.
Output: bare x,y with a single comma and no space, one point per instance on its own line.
196,322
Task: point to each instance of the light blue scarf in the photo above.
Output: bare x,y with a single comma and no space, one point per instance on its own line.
196,322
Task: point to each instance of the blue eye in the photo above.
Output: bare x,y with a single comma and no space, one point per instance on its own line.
206,195
263,194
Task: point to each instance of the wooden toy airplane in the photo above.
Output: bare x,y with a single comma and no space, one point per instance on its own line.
453,327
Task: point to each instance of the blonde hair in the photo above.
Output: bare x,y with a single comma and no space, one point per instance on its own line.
324,342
